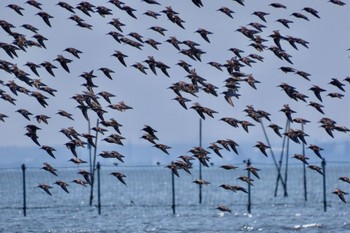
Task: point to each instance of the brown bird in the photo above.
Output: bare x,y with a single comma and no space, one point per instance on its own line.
317,106
81,182
317,91
173,167
227,11
25,113
311,11
46,188
75,52
262,147
119,176
46,17
77,160
300,16
162,147
16,8
215,148
316,168
335,82
65,114
302,158
120,57
86,175
48,67
345,179
151,14
276,129
63,62
228,167
49,150
62,184
159,29
49,168
261,15
284,22
340,194
224,209
66,6
246,179
201,182
278,5
204,34
253,170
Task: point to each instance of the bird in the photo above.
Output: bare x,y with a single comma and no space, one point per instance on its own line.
224,209
246,179
162,147
49,150
65,114
201,182
25,113
261,15
62,184
316,149
46,17
16,8
120,57
262,147
316,168
226,11
75,52
311,11
86,175
173,167
302,158
119,176
344,179
337,83
340,193
204,34
46,188
63,62
253,170
317,91
228,167
81,182
49,168
77,160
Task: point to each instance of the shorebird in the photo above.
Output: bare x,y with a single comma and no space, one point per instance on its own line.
345,179
224,209
340,193
46,188
49,168
62,184
49,150
201,182
316,168
262,147
119,176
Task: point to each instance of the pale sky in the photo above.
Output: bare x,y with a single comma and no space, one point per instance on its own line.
326,58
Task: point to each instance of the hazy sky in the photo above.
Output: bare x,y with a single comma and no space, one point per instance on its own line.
149,96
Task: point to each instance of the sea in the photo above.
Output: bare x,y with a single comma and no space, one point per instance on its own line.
155,200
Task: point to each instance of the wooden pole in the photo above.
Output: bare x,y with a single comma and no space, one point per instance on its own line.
249,194
92,166
304,167
323,163
200,164
24,190
173,192
98,188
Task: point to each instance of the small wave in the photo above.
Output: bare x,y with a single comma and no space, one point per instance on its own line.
309,225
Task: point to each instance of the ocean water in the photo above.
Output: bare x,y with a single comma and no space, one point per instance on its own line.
144,204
